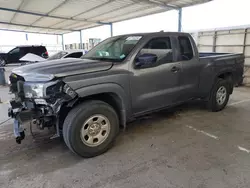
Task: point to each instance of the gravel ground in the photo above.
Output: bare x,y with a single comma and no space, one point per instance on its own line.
184,147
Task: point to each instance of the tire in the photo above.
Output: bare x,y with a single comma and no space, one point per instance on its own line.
82,120
2,62
215,104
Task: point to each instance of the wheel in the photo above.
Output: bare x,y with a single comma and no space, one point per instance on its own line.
2,62
90,128
219,95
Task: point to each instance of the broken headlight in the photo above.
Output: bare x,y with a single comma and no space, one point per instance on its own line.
47,90
33,90
40,90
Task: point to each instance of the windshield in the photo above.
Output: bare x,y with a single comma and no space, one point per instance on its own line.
58,55
113,49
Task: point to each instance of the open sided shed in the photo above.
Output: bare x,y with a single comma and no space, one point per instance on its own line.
63,16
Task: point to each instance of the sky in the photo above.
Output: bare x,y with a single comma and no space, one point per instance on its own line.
215,14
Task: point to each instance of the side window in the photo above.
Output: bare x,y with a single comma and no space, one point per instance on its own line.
74,55
186,50
15,51
161,47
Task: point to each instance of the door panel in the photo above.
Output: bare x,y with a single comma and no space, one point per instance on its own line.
191,67
156,86
189,81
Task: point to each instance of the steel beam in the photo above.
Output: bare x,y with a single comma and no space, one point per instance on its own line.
24,25
162,4
13,30
98,6
157,3
180,20
50,11
48,16
20,5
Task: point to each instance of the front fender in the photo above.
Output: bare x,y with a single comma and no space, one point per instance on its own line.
108,88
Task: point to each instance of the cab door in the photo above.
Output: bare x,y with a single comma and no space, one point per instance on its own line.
154,84
191,68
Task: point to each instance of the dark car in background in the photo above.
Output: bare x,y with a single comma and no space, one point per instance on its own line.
14,55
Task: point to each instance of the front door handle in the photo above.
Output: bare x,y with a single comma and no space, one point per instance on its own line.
175,69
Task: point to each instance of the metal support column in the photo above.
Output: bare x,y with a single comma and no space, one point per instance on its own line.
62,42
111,29
179,20
81,46
244,42
214,41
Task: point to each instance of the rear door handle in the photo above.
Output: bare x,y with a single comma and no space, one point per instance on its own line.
175,69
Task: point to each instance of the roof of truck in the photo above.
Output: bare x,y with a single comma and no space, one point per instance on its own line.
30,46
155,33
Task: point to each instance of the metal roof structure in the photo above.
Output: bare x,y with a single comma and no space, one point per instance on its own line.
64,16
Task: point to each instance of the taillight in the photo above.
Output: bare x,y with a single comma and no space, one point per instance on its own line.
46,53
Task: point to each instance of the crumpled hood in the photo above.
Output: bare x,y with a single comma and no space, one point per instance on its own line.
47,70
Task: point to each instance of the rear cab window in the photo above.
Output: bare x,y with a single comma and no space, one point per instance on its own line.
185,48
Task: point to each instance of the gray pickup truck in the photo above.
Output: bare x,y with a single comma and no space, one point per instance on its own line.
88,100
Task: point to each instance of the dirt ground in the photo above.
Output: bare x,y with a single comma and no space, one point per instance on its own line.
186,147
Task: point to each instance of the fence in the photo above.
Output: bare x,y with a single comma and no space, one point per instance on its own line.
230,40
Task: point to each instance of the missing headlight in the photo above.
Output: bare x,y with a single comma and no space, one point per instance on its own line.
54,89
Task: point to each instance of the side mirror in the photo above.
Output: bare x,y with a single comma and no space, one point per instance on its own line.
145,60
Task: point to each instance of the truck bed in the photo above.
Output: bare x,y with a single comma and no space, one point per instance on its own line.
230,61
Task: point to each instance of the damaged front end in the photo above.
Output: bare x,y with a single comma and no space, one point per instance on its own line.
39,102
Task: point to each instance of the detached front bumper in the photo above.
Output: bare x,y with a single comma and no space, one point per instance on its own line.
20,114
22,111
45,115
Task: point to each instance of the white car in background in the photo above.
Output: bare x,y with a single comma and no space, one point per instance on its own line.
67,54
32,58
